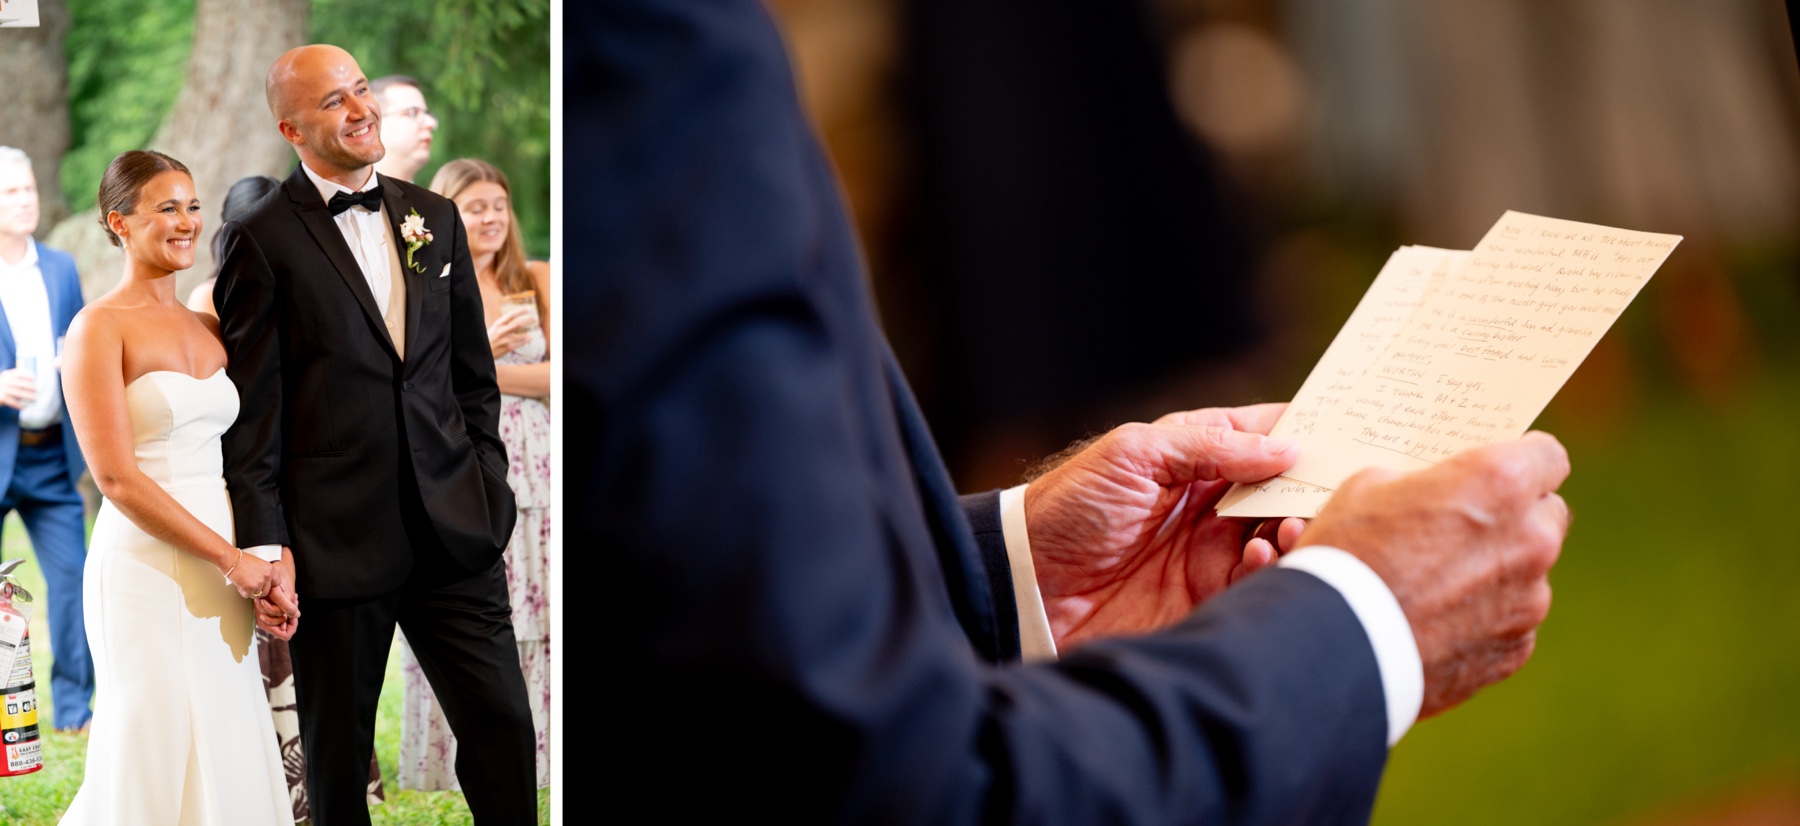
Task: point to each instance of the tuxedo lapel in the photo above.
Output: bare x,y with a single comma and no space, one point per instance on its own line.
398,207
311,210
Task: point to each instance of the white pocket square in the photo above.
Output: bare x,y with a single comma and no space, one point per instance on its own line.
445,272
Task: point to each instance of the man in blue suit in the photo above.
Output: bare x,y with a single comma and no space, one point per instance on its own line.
796,614
40,293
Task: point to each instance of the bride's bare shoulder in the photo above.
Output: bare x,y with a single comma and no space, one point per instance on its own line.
110,315
99,313
96,326
94,312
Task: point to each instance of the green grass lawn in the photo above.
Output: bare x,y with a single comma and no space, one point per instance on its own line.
41,797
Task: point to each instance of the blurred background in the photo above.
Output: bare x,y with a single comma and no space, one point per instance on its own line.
185,77
1081,214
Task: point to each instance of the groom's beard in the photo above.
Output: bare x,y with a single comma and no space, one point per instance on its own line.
338,154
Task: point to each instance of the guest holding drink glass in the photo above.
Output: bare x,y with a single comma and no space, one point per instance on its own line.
515,296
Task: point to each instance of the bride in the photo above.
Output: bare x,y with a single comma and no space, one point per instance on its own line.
181,731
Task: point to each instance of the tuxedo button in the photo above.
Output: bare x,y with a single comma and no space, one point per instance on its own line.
409,385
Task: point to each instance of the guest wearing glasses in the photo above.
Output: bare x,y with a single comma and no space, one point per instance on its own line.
406,126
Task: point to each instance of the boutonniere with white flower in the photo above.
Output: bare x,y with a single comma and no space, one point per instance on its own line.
414,233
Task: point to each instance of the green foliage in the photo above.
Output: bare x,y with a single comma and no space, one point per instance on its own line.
485,68
127,60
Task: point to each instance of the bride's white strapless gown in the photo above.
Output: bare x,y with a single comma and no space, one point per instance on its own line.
182,732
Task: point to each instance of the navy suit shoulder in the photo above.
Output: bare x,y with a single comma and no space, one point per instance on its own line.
793,565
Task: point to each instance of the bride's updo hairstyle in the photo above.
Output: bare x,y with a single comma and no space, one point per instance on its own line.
125,178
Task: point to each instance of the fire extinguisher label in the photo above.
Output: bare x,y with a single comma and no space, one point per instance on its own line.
18,708
14,650
12,628
18,694
20,672
26,754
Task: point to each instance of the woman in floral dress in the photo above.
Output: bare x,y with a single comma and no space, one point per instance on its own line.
517,330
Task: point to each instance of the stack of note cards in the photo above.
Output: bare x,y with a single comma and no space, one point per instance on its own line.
1450,350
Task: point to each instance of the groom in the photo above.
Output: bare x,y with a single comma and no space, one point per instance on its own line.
367,452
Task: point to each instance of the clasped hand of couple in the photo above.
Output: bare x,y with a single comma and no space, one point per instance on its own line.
270,588
1125,540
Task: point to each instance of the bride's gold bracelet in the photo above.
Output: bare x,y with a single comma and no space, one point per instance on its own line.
234,564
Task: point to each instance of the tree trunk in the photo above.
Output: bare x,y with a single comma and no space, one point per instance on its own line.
220,127
35,98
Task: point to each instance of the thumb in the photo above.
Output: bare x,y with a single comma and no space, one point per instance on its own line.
1205,454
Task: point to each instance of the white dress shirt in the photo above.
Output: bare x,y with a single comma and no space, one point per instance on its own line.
1390,635
367,233
27,305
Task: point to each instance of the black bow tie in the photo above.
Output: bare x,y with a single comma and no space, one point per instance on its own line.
369,199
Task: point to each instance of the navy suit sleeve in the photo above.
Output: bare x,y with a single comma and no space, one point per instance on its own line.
786,634
983,513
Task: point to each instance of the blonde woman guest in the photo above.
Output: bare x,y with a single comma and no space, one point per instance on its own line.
518,334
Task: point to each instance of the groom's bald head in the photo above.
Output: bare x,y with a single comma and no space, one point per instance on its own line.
287,77
323,106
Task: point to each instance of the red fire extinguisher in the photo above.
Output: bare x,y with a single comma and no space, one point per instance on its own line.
18,693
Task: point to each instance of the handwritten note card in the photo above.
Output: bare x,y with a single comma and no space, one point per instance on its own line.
1409,276
1481,355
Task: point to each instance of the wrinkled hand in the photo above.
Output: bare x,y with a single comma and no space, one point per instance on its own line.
1466,547
18,388
512,329
1123,535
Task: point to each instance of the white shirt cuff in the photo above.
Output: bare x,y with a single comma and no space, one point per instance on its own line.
266,553
1035,642
1396,652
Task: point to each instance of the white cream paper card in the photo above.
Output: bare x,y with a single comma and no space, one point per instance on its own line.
1481,353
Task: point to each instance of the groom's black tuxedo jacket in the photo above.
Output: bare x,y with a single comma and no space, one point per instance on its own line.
802,619
335,429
